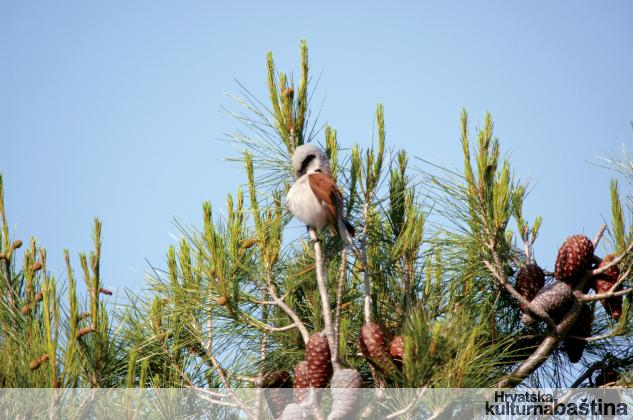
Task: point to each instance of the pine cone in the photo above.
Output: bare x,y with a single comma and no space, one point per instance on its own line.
574,257
301,381
372,344
276,393
604,282
319,360
581,328
345,388
530,279
396,349
295,412
554,299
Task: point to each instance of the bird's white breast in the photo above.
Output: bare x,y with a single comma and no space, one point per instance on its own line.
302,202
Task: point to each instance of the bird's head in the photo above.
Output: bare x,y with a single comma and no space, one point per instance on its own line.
309,158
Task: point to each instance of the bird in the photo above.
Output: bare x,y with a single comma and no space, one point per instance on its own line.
314,198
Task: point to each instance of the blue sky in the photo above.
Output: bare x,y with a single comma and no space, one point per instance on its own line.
113,109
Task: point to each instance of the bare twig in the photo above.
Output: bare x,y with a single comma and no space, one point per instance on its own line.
213,400
614,261
599,296
255,323
598,237
245,378
595,337
612,291
287,309
222,375
325,303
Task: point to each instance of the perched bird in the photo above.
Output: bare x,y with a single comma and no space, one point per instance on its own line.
314,198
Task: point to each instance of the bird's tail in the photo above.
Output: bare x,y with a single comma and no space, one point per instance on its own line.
346,231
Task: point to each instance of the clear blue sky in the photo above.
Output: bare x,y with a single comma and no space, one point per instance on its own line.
113,108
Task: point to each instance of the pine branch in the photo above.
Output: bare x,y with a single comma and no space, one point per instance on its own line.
598,237
225,382
614,262
325,303
287,309
543,352
613,291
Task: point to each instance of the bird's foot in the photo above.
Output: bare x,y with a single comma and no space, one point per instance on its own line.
315,236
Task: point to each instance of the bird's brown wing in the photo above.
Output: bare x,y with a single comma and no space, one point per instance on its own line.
328,195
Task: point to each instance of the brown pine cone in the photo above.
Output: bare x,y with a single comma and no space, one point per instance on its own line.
604,282
319,360
574,257
554,299
530,279
276,393
581,328
345,388
372,344
396,349
295,412
301,381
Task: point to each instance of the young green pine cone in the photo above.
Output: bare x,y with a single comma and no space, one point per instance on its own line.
574,257
372,344
35,364
319,360
84,331
554,299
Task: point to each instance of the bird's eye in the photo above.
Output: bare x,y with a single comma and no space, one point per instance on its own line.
304,164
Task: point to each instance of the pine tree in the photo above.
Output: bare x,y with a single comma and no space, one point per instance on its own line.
426,298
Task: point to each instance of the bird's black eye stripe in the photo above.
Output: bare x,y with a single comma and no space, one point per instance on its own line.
305,163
